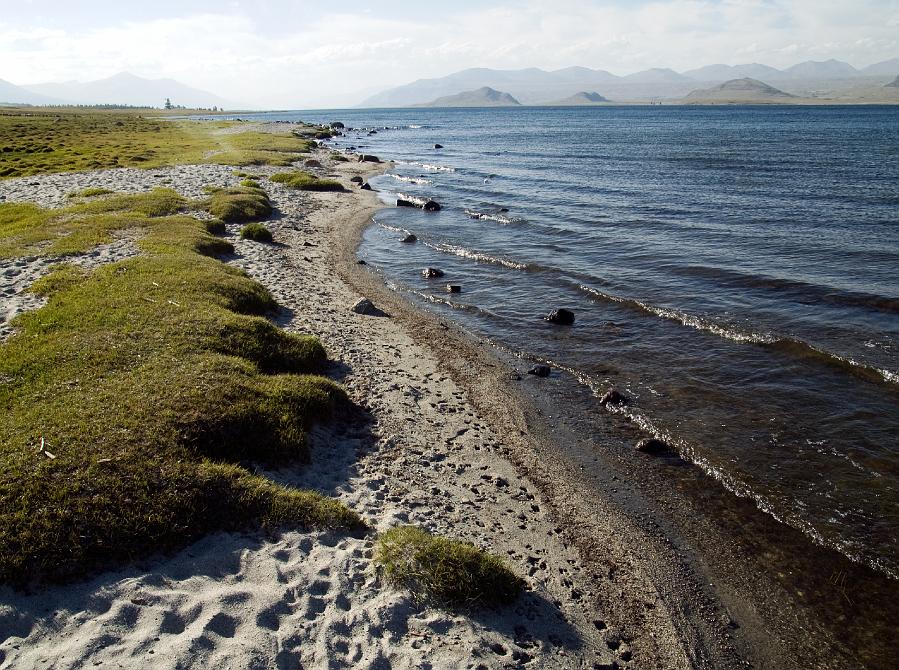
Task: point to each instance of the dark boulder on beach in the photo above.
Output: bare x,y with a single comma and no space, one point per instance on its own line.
653,446
337,125
613,398
400,202
361,262
540,370
368,158
431,273
312,163
366,307
431,206
453,288
409,239
561,317
366,187
357,180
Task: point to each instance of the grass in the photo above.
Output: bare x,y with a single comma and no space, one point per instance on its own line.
134,399
339,157
306,181
256,232
90,192
448,572
239,203
38,141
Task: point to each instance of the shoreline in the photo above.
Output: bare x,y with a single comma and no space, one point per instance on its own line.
621,583
774,609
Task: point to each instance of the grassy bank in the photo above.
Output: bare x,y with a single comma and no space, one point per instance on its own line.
40,141
135,398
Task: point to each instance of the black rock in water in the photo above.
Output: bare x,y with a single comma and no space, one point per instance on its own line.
336,125
431,273
562,317
400,202
613,397
368,158
409,239
431,206
438,146
453,288
366,187
652,445
540,370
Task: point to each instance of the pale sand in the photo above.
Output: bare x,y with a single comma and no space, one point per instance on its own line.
315,600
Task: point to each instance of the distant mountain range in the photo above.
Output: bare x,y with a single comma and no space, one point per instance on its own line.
739,90
580,98
811,79
120,89
482,97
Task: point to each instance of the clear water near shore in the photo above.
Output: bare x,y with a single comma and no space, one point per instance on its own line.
735,271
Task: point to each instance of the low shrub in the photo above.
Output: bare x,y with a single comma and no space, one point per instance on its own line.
239,204
256,232
438,569
306,181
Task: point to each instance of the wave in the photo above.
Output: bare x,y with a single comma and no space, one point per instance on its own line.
789,345
463,252
429,166
799,288
410,180
486,216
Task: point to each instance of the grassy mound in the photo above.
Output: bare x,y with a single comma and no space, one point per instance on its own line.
447,571
239,204
306,181
256,232
90,192
133,398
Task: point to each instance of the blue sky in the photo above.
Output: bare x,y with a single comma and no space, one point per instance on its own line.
278,53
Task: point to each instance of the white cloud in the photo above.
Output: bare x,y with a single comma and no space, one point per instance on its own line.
339,59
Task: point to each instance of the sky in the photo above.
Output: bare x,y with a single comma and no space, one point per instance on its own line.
300,55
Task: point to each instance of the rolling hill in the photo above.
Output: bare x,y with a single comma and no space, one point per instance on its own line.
481,97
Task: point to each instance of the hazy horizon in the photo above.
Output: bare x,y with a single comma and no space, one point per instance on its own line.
278,54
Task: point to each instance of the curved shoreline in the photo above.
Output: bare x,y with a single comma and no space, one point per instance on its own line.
692,564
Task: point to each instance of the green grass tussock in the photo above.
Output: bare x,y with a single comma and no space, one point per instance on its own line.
239,204
89,192
256,232
132,399
306,181
445,571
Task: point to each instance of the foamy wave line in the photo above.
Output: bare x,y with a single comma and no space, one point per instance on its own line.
411,180
685,319
786,344
476,256
483,216
429,166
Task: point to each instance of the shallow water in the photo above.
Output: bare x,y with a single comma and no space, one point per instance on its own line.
735,271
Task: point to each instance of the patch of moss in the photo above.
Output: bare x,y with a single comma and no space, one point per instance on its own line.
449,572
306,181
256,232
132,399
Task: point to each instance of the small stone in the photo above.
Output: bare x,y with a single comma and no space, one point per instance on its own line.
366,187
613,397
366,307
432,273
409,239
562,317
357,179
431,206
438,146
453,288
652,445
540,370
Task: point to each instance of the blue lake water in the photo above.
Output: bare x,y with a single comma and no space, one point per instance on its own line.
734,270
